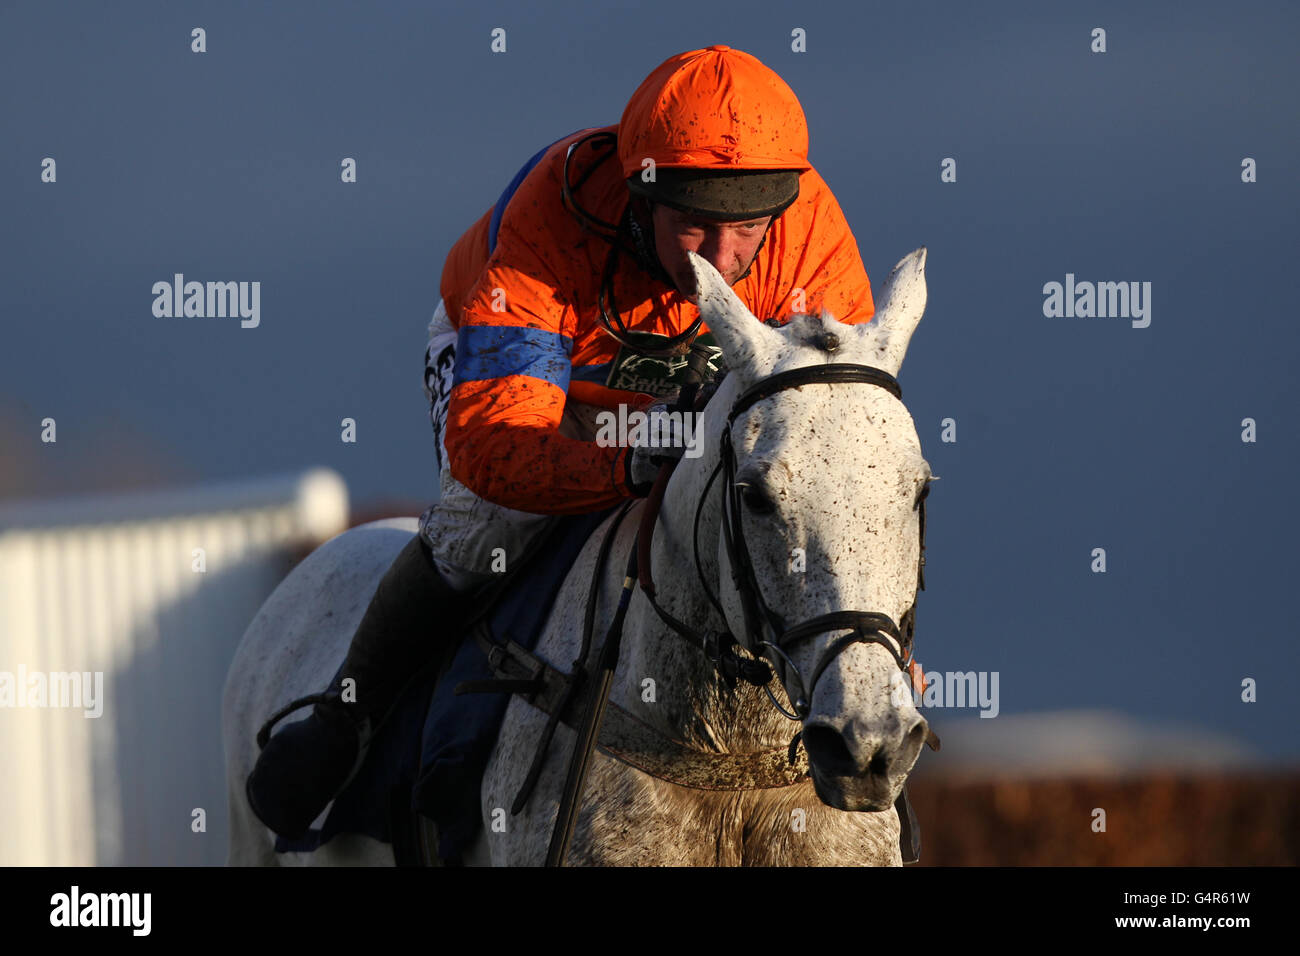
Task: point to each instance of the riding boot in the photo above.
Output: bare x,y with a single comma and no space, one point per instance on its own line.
413,618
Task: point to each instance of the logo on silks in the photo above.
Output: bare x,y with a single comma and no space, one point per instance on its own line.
654,375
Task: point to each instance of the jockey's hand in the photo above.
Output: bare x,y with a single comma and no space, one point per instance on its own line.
644,462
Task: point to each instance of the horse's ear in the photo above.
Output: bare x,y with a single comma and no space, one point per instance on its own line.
899,308
750,347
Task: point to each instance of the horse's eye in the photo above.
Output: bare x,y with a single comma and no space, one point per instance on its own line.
756,500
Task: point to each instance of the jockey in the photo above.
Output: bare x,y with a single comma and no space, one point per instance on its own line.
574,294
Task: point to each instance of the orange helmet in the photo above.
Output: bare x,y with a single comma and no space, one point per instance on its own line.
727,136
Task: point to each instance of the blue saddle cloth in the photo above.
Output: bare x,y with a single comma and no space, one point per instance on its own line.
431,753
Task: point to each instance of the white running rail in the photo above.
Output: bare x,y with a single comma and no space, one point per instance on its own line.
118,586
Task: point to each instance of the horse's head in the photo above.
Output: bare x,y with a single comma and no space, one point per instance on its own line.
829,476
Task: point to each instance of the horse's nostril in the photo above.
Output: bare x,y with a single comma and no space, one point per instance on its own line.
826,749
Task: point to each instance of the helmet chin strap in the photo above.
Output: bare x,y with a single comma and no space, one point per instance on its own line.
643,239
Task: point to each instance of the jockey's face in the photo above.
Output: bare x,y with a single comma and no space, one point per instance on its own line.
729,247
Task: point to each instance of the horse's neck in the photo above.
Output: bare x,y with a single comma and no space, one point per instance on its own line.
686,699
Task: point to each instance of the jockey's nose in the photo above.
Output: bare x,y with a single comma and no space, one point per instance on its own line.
723,251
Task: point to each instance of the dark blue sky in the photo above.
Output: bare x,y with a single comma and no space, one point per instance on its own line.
1072,433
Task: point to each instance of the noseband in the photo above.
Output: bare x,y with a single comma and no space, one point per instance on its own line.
767,633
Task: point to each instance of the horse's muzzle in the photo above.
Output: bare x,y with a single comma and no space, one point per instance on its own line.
861,769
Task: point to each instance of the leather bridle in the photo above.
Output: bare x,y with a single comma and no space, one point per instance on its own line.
766,632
